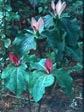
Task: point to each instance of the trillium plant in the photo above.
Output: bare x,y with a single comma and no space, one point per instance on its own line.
42,55
37,25
58,8
14,59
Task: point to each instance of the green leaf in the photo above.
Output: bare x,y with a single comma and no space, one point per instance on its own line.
24,43
34,2
7,42
39,65
77,67
73,30
29,58
6,72
52,37
48,20
64,80
55,42
8,8
40,9
38,82
75,53
15,78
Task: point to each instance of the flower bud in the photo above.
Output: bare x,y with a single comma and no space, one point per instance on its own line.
14,59
49,66
37,25
59,8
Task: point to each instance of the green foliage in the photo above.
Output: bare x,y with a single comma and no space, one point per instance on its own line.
77,8
77,67
23,43
51,56
72,28
75,53
34,2
39,65
64,80
48,19
7,42
37,84
60,40
29,58
15,78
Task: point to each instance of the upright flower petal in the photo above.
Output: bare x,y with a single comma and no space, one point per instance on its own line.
48,65
58,7
37,25
40,23
34,24
15,60
63,7
53,5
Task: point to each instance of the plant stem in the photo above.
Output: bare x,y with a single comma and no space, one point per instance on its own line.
29,99
29,103
39,108
53,90
39,48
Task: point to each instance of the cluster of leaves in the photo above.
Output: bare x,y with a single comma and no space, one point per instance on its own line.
29,72
77,7
7,29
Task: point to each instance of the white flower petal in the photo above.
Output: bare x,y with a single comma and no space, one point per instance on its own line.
53,5
58,7
63,7
33,24
40,23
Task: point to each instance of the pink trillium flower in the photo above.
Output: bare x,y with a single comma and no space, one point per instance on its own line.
49,66
14,59
37,25
58,8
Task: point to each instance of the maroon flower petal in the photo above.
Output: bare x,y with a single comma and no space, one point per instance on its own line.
48,65
14,59
34,28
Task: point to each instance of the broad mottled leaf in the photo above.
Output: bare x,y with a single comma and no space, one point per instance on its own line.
29,58
55,41
64,80
15,78
52,36
37,84
48,20
39,65
24,43
75,53
6,72
73,30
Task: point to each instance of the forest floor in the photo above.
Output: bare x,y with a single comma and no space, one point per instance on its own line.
58,102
